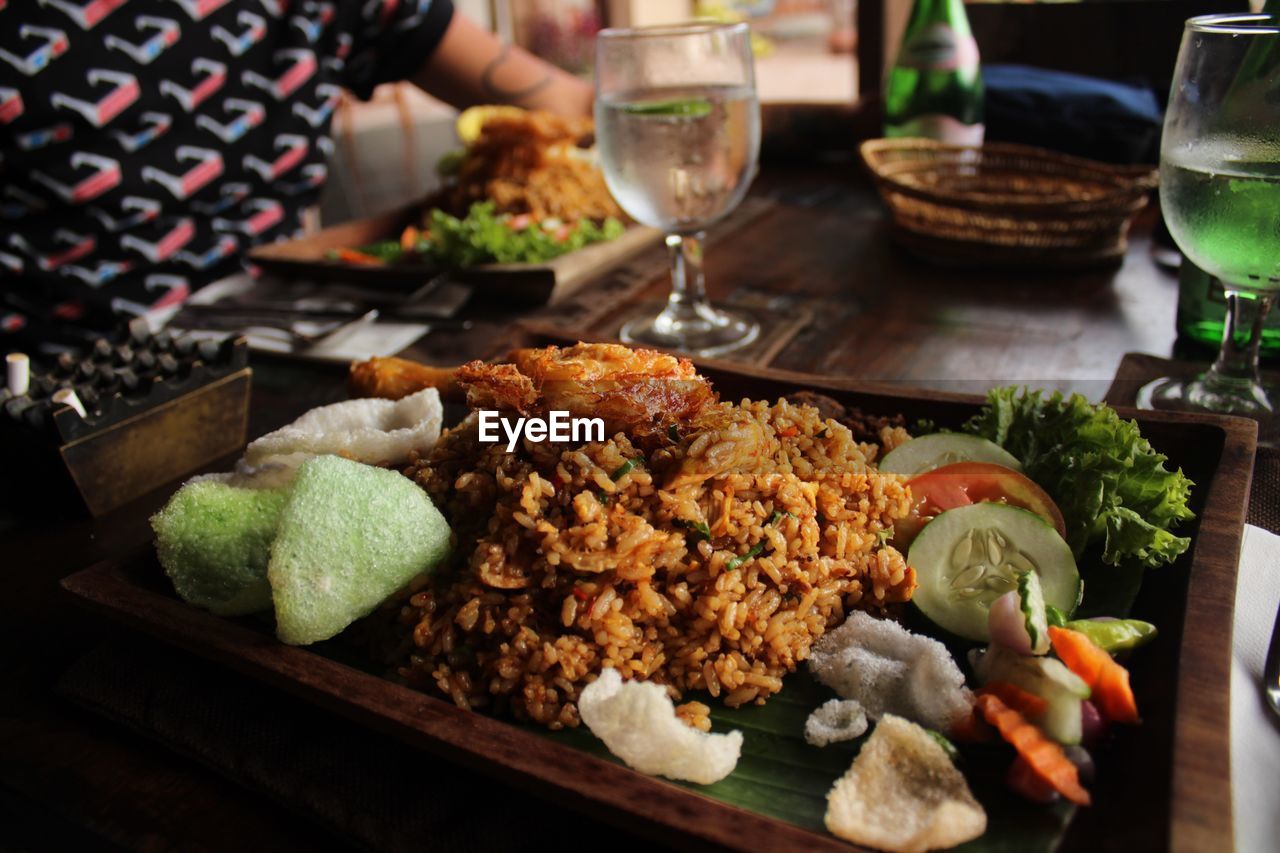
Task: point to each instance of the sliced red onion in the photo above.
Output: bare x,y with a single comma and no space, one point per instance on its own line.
1080,757
1092,726
1007,625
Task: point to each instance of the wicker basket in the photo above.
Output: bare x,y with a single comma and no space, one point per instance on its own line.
1006,205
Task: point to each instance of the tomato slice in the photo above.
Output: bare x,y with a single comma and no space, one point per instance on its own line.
964,483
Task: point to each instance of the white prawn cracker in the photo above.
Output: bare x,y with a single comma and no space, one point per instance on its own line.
890,670
637,721
834,721
903,794
372,431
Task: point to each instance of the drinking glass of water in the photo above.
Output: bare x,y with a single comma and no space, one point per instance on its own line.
1220,194
678,131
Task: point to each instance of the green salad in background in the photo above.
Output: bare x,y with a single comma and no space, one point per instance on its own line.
482,237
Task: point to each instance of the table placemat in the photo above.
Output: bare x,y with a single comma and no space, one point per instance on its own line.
597,312
1137,369
781,318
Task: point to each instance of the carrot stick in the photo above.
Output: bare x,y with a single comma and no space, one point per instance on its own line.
971,728
409,238
1024,702
351,256
1108,679
1044,756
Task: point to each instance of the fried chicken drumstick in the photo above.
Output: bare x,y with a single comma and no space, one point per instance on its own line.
629,388
393,378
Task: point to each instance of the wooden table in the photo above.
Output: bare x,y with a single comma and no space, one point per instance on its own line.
69,778
822,244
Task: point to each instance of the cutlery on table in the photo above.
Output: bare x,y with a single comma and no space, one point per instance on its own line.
1271,672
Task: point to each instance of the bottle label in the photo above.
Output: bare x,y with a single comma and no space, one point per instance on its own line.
944,128
938,47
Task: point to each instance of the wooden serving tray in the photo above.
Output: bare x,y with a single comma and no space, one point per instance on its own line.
1166,784
533,284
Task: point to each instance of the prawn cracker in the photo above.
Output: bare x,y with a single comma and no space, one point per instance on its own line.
214,541
903,794
637,722
350,536
378,432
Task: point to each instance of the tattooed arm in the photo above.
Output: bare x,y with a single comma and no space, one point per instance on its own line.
473,66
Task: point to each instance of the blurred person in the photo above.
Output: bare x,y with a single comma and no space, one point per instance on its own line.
145,145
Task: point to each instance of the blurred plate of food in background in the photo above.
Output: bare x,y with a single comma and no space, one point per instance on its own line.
524,210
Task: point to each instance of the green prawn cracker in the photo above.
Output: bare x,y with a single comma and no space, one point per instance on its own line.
214,541
350,536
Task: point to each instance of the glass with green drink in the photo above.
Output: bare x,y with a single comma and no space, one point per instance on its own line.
1220,194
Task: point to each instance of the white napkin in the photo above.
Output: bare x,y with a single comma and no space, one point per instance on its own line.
378,338
1255,735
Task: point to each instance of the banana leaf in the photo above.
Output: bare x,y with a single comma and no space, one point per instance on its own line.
782,776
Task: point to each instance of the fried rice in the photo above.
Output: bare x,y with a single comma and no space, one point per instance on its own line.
536,163
571,558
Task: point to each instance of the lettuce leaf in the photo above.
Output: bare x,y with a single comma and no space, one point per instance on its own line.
1113,488
485,237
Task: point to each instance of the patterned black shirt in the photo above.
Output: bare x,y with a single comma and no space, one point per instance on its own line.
147,143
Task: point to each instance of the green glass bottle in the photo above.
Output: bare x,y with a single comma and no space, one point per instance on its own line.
1202,309
934,89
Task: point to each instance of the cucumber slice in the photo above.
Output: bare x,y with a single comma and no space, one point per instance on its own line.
1046,677
969,556
1036,675
1031,600
692,107
1063,720
944,448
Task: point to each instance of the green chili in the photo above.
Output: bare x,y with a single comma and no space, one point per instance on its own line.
1115,635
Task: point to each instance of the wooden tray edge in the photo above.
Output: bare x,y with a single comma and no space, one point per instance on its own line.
557,772
1202,813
